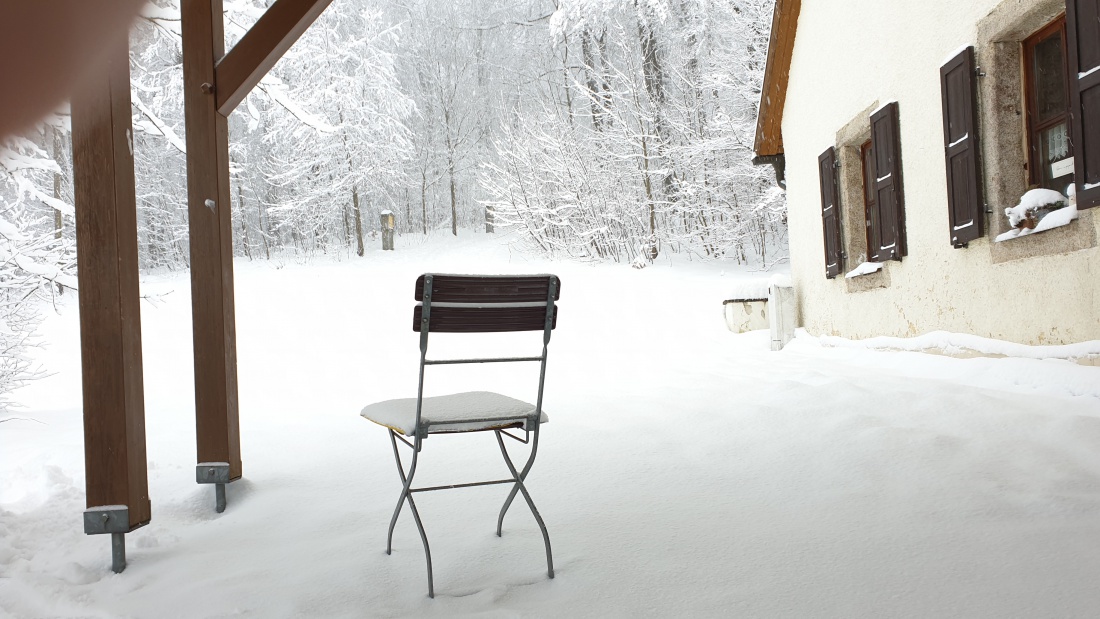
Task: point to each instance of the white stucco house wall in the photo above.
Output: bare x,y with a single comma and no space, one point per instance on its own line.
911,251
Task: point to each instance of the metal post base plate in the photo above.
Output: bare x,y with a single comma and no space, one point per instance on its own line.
115,520
216,473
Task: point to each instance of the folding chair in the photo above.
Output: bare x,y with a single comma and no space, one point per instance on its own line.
472,304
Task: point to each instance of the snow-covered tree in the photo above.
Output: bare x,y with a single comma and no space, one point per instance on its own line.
37,245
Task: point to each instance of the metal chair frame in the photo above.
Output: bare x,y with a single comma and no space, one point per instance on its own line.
530,425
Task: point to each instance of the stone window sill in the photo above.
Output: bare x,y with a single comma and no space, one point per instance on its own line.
865,268
871,279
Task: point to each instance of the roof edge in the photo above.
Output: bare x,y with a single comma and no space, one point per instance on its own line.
773,92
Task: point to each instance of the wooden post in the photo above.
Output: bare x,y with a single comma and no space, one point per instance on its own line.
388,224
213,84
208,210
110,318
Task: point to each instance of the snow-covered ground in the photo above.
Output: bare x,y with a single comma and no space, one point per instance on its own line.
686,471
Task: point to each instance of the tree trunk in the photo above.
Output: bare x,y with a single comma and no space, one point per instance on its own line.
408,212
57,221
565,80
654,78
651,251
454,200
595,79
244,225
347,226
424,200
590,71
605,78
359,249
263,228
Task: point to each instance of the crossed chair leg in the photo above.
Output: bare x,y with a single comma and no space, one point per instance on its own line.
518,477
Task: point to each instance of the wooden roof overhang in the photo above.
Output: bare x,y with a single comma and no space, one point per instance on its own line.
768,144
215,82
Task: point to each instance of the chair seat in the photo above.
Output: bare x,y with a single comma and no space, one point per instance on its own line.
451,413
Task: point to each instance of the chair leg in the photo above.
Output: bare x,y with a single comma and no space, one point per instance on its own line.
427,550
504,509
519,477
406,495
515,489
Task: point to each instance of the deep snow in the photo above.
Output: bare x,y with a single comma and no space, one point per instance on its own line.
687,471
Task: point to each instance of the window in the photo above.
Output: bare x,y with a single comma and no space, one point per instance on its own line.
1050,151
862,201
1006,45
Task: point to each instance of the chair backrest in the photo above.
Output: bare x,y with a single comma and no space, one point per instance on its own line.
486,303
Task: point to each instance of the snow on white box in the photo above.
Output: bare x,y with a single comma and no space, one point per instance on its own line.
746,308
751,303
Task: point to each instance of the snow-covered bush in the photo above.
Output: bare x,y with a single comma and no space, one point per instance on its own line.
37,250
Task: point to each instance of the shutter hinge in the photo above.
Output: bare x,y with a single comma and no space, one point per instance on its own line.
836,164
978,72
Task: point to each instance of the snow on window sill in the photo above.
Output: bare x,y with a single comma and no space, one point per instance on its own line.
864,269
1054,219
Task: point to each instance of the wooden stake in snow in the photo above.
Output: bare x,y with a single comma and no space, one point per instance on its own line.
388,224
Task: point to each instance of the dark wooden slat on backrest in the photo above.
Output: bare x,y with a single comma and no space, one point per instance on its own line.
487,288
492,319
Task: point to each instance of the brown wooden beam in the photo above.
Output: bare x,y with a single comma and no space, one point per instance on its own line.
261,47
773,92
110,318
208,209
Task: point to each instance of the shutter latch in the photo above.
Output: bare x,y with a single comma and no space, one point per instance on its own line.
978,72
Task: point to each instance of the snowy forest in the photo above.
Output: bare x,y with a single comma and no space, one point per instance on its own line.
608,130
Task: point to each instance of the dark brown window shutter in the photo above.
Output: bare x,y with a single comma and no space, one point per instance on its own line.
888,186
830,207
1083,28
959,89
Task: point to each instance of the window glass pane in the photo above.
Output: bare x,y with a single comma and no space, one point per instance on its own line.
1054,147
1050,78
